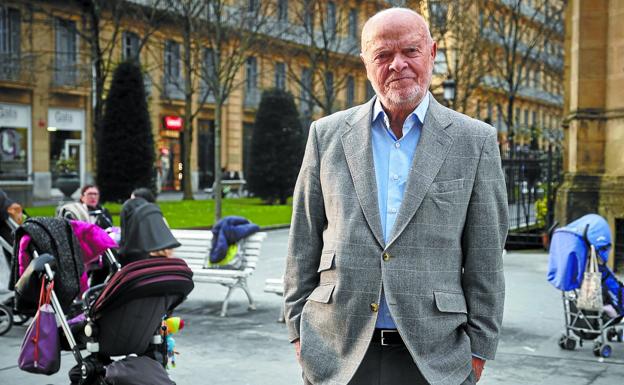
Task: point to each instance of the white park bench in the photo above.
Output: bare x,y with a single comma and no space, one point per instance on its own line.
276,285
195,250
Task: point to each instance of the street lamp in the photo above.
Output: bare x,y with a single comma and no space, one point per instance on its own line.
449,90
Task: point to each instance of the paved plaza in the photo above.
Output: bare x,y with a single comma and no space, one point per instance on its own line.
251,348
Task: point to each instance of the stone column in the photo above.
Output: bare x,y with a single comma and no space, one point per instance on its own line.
594,114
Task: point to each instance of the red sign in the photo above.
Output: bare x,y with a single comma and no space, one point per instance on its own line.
173,123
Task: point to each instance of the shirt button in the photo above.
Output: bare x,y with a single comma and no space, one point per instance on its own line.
386,256
374,307
393,210
397,144
395,177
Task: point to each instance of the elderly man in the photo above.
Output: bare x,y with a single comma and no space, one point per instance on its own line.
394,271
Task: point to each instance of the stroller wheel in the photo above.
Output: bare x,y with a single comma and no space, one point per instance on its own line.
567,343
620,335
6,319
605,351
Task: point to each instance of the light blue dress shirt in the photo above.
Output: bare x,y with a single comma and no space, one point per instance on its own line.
392,158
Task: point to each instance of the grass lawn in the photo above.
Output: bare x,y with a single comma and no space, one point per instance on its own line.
193,214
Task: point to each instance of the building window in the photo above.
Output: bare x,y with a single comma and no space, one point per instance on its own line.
353,23
440,65
370,91
490,113
208,74
280,75
282,11
526,118
66,54
331,18
306,90
9,43
308,18
329,83
172,61
500,125
130,49
350,91
251,81
438,11
253,5
534,118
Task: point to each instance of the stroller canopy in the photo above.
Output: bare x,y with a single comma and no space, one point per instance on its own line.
143,228
568,252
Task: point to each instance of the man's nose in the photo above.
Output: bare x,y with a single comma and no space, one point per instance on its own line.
398,63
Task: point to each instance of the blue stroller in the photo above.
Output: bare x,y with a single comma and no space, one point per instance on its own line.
569,250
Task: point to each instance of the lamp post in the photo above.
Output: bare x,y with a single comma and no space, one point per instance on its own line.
448,87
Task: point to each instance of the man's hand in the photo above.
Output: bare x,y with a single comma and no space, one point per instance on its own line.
297,343
477,366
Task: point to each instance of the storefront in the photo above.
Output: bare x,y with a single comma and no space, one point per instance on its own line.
16,151
169,154
66,130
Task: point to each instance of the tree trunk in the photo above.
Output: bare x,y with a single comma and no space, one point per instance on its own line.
187,138
217,158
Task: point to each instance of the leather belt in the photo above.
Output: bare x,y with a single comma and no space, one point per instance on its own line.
387,337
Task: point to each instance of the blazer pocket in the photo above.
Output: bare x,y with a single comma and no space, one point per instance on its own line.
447,186
322,293
327,260
448,302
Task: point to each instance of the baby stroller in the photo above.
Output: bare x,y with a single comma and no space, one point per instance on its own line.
10,218
119,317
569,250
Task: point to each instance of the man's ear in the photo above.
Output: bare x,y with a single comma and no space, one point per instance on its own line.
362,58
434,50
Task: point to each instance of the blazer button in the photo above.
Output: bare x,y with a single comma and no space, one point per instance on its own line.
386,256
374,307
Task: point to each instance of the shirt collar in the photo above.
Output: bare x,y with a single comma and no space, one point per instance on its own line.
420,111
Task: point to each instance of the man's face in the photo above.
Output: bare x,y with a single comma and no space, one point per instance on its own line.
399,56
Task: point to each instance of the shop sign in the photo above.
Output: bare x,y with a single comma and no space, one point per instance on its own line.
170,134
66,119
174,123
13,115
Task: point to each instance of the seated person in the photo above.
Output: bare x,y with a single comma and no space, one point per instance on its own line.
144,232
88,209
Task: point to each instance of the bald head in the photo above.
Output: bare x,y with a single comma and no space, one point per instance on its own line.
393,17
398,53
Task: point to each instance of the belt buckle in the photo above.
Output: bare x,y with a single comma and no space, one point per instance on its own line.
383,337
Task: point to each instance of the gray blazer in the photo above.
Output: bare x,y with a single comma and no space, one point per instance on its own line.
444,276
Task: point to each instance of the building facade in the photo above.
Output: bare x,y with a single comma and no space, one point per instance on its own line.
47,86
594,118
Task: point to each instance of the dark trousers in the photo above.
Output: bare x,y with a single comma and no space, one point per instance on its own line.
389,365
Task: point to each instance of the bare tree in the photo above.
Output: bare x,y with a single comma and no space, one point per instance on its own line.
326,42
519,32
460,47
218,37
102,23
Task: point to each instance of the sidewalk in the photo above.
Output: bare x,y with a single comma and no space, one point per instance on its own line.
251,348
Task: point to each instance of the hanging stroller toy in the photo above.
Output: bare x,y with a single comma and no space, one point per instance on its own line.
570,250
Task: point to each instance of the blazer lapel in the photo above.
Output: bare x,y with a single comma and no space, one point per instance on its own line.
433,147
358,149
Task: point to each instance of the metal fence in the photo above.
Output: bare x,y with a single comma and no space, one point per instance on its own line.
532,177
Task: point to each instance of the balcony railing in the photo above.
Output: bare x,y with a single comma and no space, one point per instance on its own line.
17,67
173,88
252,98
72,75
